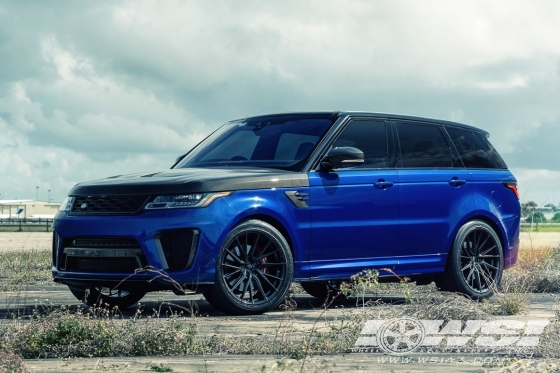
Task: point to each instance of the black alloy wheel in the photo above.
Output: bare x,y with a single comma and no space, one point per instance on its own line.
100,296
476,262
254,270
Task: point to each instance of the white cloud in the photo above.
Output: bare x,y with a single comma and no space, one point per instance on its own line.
108,87
539,185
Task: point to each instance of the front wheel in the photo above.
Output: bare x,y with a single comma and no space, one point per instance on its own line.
254,270
476,262
99,296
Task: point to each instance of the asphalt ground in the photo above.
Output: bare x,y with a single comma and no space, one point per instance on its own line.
307,315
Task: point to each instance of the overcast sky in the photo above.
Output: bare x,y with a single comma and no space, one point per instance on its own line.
100,88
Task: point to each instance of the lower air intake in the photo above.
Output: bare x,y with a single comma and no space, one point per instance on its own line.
179,246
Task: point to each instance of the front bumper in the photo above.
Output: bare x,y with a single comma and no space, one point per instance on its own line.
154,270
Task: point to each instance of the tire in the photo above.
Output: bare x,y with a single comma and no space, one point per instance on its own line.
254,270
324,290
110,297
476,262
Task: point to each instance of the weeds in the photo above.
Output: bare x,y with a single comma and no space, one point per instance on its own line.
506,304
159,368
20,268
360,283
99,333
536,271
57,332
10,362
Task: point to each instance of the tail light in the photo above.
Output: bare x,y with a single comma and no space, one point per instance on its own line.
513,187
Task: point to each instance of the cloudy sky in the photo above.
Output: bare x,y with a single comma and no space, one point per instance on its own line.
99,88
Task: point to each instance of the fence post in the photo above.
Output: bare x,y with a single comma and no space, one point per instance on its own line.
19,226
47,220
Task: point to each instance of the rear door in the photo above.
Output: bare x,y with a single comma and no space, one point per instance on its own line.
436,193
490,178
354,211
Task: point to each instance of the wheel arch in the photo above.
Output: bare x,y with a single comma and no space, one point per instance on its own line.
274,208
486,219
275,223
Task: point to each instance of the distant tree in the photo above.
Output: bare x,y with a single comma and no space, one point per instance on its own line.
552,206
532,213
528,209
537,218
556,218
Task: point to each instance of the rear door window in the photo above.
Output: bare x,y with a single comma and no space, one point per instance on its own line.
423,146
470,149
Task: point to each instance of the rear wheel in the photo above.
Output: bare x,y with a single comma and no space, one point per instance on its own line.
476,262
322,289
254,270
99,296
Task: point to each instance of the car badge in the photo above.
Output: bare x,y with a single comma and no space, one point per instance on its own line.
84,206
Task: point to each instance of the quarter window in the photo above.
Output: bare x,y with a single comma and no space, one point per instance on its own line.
423,146
470,149
491,151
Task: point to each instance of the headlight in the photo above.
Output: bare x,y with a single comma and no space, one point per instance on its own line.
181,201
67,204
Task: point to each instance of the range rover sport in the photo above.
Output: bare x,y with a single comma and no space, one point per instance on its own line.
312,197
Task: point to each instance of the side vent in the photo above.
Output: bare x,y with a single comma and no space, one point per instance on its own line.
298,199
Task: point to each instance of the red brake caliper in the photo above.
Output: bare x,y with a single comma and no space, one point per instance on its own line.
262,261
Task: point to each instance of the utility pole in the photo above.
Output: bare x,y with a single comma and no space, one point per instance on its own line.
37,193
49,201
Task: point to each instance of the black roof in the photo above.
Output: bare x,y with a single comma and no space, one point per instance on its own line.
370,114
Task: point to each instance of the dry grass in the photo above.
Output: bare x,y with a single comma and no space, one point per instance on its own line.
60,333
11,362
536,271
25,267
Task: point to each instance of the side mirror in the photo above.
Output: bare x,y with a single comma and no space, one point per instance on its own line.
342,157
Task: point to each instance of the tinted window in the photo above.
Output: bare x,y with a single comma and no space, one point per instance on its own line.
491,151
240,144
293,146
470,149
368,136
423,146
284,142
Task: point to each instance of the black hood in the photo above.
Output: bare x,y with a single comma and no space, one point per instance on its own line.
192,180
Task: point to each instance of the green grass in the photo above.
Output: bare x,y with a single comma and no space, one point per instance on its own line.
549,227
6,228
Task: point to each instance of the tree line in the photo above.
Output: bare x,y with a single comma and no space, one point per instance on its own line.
532,213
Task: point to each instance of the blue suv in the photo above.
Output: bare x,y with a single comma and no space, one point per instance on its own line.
310,197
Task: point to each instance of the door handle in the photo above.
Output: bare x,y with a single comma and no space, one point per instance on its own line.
382,184
457,182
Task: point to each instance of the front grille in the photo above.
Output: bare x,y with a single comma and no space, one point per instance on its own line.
127,265
178,246
112,242
102,254
112,204
55,247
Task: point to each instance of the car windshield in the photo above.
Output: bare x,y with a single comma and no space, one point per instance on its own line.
283,142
